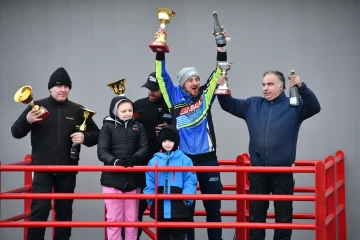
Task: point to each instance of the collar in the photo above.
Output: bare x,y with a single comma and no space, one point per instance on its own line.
188,97
54,101
279,98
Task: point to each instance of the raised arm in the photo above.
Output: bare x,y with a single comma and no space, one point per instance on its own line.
221,56
236,107
309,104
166,85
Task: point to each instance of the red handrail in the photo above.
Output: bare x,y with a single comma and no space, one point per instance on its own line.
329,186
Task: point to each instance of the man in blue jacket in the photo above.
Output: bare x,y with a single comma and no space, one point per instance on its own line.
273,127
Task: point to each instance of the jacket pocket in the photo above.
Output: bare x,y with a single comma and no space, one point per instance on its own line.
283,154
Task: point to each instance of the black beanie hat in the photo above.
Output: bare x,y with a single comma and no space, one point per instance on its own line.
59,77
168,134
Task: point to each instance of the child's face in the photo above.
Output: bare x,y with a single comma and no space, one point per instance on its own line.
168,145
125,110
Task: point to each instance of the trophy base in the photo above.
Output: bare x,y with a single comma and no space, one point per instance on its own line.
44,116
159,47
222,92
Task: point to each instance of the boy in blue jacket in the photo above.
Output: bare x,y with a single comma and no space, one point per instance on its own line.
171,183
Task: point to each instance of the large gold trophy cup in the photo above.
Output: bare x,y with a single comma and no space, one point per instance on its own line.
159,45
87,114
24,95
75,148
118,87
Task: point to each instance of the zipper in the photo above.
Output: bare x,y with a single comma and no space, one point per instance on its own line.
267,136
126,137
58,142
166,191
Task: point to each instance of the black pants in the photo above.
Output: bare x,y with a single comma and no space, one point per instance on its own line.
210,183
275,183
142,207
40,208
171,233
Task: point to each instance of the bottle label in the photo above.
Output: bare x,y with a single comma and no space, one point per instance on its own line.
293,101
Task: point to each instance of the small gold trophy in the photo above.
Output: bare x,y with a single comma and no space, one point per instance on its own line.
118,87
75,148
87,114
159,45
24,95
223,89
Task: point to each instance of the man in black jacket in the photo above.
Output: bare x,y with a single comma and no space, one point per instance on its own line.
151,111
51,141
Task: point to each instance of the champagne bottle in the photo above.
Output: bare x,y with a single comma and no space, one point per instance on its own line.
294,94
219,37
75,150
160,116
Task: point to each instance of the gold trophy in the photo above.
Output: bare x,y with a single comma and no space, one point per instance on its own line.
75,148
223,89
87,114
159,45
118,87
24,95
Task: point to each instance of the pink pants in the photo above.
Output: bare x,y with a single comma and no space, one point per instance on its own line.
121,210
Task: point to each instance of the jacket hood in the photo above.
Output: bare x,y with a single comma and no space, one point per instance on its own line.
172,129
112,117
115,103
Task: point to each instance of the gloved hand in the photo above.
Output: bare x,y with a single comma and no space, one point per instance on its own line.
128,162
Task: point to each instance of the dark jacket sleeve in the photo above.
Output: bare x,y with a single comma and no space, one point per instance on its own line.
310,104
103,147
236,107
21,126
143,154
91,135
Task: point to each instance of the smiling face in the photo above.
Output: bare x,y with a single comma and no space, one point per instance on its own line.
192,86
60,92
125,110
272,86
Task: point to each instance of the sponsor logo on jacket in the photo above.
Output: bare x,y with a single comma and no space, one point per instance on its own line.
192,108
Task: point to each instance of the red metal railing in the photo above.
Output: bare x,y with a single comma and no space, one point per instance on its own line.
329,197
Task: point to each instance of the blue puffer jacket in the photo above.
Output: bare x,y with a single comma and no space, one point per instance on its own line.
273,125
170,183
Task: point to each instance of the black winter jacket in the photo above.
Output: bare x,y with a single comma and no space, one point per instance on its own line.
120,139
50,139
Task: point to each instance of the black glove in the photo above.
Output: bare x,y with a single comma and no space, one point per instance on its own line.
128,162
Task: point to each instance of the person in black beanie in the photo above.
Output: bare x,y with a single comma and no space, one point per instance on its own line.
171,183
51,141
